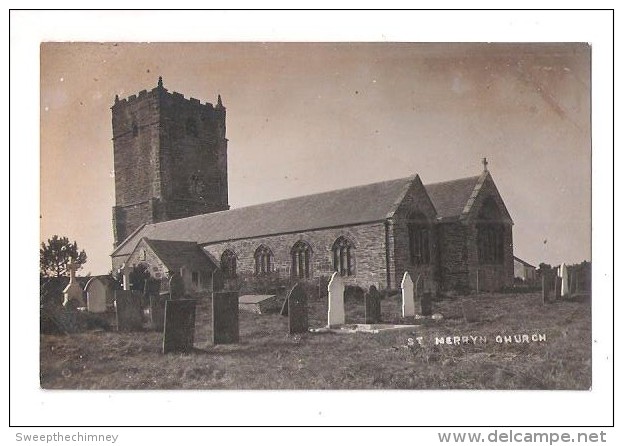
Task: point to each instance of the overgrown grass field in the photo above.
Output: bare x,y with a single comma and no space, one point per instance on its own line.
267,357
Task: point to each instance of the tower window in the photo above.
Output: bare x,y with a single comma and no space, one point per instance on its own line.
228,264
263,260
419,239
134,129
343,257
301,259
191,127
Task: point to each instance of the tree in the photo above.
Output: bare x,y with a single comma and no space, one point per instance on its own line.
56,254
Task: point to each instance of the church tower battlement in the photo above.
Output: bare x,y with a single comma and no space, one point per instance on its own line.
170,159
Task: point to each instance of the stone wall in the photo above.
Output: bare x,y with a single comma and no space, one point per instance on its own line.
368,256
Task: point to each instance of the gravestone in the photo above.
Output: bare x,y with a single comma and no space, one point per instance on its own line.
545,288
129,311
96,291
564,276
298,321
470,312
73,292
179,325
336,301
408,302
157,304
426,303
225,325
557,287
176,287
372,302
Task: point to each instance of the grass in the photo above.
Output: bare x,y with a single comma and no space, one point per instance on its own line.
268,358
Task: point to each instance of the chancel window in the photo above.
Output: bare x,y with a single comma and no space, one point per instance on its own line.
228,264
343,257
490,236
263,260
419,239
301,260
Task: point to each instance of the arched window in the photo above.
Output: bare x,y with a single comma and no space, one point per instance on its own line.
419,239
134,129
301,260
228,264
490,234
191,127
263,260
343,256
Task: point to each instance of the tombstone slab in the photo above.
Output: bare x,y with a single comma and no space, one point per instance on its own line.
225,325
426,304
179,325
564,276
408,302
256,303
372,306
129,311
96,295
157,305
557,288
336,315
545,288
298,321
176,287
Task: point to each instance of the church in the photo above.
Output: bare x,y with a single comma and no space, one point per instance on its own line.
171,214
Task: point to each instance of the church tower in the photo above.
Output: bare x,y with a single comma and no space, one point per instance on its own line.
170,159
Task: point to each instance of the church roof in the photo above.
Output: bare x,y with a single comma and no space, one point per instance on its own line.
355,205
176,254
450,198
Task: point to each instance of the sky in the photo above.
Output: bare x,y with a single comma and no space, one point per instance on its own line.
311,117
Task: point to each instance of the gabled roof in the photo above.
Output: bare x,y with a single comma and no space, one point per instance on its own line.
450,198
175,254
523,262
355,205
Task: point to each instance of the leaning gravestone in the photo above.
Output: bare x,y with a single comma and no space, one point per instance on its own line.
408,303
372,302
176,287
179,325
297,310
225,325
336,301
129,311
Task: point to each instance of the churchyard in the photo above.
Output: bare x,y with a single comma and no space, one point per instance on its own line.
485,341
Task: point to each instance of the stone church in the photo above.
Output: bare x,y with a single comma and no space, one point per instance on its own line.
172,214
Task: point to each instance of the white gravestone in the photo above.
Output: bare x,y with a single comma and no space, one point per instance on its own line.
564,274
96,295
408,304
336,301
72,291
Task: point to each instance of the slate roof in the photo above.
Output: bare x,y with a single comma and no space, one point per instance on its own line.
523,262
360,204
450,197
175,254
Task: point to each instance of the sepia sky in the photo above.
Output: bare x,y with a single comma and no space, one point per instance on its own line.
305,118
